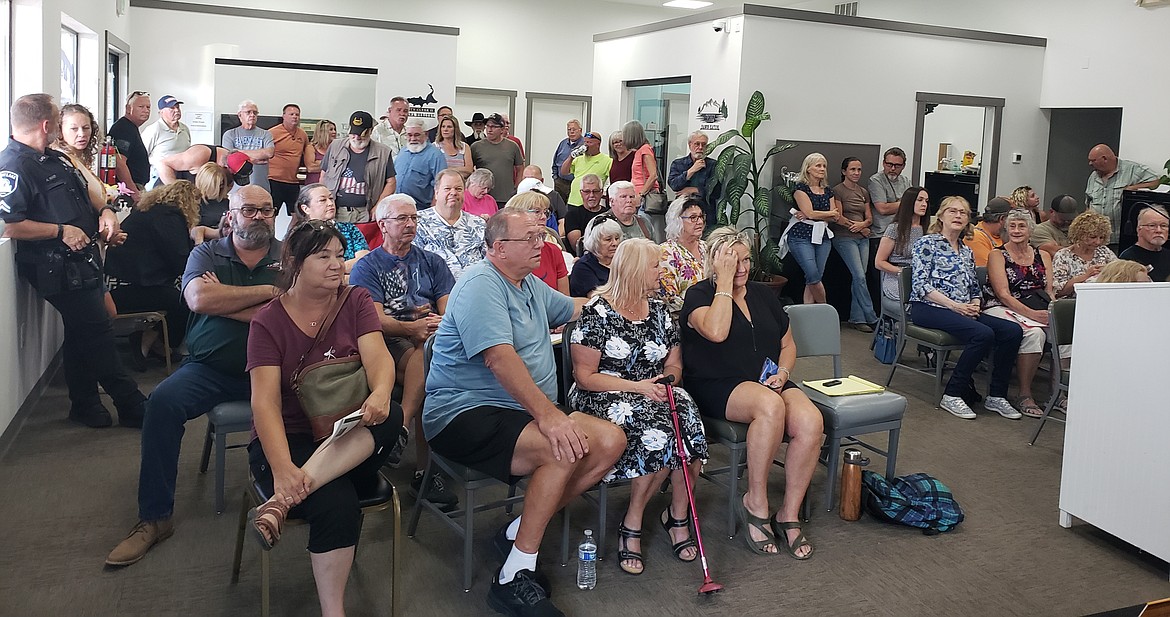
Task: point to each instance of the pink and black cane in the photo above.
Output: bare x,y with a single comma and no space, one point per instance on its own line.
709,586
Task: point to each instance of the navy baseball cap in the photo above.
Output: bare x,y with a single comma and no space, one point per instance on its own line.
168,101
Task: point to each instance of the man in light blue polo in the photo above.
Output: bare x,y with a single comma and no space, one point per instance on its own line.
418,164
489,403
1110,177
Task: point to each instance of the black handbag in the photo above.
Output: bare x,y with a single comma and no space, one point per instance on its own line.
1036,300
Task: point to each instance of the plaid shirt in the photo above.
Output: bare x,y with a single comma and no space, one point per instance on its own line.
1104,194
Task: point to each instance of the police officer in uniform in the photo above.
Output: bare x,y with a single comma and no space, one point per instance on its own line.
46,208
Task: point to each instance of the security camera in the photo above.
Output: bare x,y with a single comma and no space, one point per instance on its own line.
719,25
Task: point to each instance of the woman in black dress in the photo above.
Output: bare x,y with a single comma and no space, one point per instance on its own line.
737,357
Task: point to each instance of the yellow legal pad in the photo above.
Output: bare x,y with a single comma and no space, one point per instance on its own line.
849,385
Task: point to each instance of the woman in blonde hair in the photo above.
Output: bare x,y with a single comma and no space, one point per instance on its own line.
552,269
808,237
1082,261
143,270
323,134
946,296
213,183
624,342
1025,198
1124,271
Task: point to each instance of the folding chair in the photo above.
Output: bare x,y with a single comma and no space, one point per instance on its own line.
1061,314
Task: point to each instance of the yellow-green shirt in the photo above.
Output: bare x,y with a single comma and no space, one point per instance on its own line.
583,165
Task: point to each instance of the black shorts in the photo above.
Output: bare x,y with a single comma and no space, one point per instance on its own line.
483,438
712,395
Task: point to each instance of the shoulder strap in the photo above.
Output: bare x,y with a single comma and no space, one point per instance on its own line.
328,323
642,225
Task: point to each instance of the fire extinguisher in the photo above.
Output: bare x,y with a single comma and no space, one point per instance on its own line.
108,162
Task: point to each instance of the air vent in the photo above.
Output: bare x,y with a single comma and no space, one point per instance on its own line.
848,8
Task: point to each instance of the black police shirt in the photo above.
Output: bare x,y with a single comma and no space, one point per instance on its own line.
44,187
128,141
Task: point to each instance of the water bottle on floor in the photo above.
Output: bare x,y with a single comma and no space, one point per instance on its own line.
587,562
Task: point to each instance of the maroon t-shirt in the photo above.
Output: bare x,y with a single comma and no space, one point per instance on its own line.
275,340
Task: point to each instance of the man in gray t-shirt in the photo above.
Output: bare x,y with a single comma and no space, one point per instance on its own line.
885,189
252,140
501,156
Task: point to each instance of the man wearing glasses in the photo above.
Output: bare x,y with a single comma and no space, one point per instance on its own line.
489,401
409,286
885,189
577,218
252,140
225,282
1153,226
128,140
449,232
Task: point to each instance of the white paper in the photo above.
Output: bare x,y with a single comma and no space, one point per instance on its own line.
343,426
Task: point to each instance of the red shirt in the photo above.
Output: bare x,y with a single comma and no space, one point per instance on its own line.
276,340
552,265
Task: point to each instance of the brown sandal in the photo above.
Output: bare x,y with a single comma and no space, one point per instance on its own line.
266,522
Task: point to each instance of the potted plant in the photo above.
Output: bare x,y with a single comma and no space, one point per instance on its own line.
738,171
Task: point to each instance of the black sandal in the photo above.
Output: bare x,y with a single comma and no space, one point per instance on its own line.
669,522
780,530
625,533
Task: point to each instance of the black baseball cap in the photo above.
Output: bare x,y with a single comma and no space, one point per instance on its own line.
1066,204
360,122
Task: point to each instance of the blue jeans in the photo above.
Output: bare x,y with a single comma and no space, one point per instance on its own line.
855,253
187,394
979,335
810,257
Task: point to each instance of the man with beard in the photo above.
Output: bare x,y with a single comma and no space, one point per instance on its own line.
358,170
418,164
1153,225
225,282
409,286
885,189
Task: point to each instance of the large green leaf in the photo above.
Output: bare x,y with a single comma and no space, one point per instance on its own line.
770,258
722,139
777,149
750,124
763,203
755,106
721,165
736,187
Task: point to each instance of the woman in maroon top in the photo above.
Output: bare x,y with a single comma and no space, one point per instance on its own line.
623,159
318,485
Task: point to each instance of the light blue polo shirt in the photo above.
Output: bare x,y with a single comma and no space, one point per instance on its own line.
486,310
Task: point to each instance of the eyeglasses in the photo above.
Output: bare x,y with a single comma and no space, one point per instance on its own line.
314,224
696,218
402,218
894,165
1155,225
531,239
252,211
590,191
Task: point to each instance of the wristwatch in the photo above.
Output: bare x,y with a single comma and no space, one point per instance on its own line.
60,231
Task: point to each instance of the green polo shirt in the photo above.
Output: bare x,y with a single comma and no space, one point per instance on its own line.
1104,194
220,342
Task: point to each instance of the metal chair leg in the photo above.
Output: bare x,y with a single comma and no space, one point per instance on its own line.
832,466
418,502
468,531
1044,418
220,466
240,539
265,581
395,556
207,441
732,492
892,452
602,515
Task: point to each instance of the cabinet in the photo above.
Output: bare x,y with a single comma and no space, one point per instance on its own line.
942,184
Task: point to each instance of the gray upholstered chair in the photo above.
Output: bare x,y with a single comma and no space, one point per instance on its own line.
1061,314
937,340
223,420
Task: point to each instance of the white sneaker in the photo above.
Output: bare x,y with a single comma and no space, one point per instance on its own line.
958,407
1001,406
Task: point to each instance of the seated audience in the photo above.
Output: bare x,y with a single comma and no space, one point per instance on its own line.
732,325
1019,288
809,236
851,241
1124,271
602,236
533,185
985,235
477,199
578,217
324,132
1082,260
946,296
689,175
315,202
893,252
143,270
1025,198
213,183
447,230
623,204
1153,225
614,384
409,287
1052,235
552,269
681,256
226,281
449,139
489,401
306,481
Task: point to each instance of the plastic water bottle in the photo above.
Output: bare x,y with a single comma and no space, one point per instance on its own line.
587,562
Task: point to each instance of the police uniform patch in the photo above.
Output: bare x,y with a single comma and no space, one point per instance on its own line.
8,182
4,207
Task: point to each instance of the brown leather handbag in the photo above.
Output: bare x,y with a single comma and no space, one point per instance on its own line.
332,388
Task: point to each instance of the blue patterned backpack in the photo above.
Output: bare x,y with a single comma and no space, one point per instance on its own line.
919,500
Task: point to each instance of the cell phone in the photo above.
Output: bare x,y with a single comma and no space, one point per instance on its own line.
831,383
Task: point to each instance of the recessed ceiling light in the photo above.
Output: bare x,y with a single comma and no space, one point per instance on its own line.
686,4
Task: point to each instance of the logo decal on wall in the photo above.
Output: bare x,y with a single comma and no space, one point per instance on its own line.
422,106
711,114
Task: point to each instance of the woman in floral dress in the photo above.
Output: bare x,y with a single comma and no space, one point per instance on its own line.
623,343
682,253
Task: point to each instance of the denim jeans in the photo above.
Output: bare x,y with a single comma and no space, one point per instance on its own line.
810,257
187,394
855,253
978,335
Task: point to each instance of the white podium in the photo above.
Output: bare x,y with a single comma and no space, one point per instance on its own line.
1116,475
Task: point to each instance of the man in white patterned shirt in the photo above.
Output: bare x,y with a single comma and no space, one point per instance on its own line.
447,230
391,130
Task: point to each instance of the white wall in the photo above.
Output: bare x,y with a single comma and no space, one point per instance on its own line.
822,83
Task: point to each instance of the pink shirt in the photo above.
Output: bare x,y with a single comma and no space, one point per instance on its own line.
480,207
275,340
638,167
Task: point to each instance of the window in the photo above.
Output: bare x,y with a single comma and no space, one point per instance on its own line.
69,54
113,85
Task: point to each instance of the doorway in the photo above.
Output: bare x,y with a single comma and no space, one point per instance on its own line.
545,125
947,128
661,106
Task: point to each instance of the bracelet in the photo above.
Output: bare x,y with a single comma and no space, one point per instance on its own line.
785,369
107,207
60,231
724,293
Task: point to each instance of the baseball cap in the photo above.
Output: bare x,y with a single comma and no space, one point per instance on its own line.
360,122
532,184
168,101
996,209
1066,204
240,167
495,118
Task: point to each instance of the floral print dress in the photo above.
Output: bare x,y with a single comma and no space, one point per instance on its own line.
679,270
636,350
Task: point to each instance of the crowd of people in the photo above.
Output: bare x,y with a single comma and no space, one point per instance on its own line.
401,235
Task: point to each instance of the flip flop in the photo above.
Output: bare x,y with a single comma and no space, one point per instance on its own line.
1028,407
779,529
749,520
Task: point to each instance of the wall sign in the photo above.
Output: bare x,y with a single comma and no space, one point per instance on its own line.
711,115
